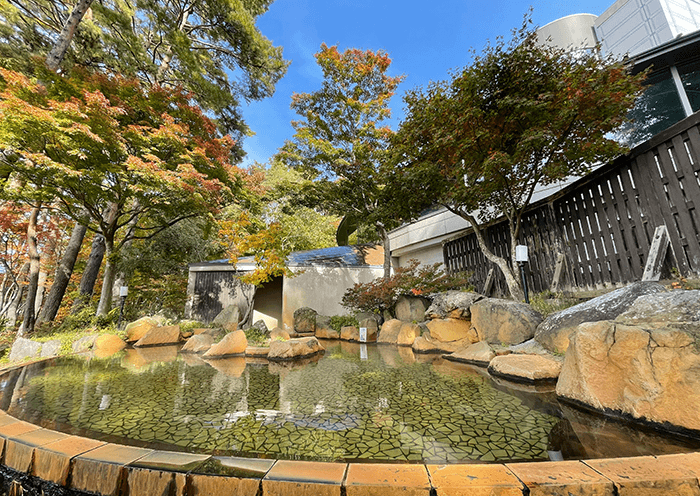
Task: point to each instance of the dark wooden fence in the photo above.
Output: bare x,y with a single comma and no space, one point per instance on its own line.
598,231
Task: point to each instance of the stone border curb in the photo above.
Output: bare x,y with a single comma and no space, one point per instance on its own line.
107,469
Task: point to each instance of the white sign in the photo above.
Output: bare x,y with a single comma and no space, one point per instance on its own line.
363,334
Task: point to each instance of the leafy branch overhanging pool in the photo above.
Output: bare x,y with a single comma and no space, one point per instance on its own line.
357,402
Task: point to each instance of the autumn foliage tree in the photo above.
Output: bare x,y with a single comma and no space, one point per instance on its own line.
520,116
107,151
340,142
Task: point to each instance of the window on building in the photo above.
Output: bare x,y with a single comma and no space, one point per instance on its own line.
690,76
658,108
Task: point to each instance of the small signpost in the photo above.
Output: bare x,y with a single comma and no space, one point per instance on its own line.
363,334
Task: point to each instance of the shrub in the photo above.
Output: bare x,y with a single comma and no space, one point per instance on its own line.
340,321
381,294
256,337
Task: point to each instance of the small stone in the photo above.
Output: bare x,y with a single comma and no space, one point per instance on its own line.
479,354
107,345
525,368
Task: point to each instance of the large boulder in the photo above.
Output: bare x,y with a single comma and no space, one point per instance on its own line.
389,334
479,354
450,329
234,343
452,304
229,317
23,349
324,329
411,308
648,373
553,333
305,320
504,321
50,348
199,343
427,344
107,345
673,306
352,333
525,368
294,349
160,336
408,334
138,329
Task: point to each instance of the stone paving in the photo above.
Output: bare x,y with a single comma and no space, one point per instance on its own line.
354,404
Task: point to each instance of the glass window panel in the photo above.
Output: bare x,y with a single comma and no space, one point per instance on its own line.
658,108
690,75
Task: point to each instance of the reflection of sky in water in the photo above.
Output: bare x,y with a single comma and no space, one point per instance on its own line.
355,403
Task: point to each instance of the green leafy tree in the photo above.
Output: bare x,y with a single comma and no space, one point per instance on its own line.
339,141
521,115
212,48
109,152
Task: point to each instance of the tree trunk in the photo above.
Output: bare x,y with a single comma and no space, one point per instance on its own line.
92,270
105,304
386,242
55,56
63,274
34,268
514,288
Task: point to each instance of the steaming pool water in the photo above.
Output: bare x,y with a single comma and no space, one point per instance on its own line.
354,403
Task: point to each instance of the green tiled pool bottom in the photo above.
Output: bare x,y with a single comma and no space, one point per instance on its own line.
371,403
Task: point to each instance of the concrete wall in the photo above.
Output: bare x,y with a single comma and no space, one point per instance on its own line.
321,288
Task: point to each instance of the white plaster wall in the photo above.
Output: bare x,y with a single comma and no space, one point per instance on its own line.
322,289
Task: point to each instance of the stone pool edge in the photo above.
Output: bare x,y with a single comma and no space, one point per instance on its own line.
96,467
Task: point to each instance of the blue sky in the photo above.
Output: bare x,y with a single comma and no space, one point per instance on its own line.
425,40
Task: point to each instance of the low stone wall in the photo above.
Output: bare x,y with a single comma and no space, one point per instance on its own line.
40,459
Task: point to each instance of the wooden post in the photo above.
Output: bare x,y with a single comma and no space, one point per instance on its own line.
657,254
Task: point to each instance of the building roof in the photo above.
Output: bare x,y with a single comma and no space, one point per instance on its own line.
336,256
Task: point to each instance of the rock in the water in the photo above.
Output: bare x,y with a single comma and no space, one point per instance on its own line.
411,308
294,348
199,343
479,354
279,334
525,368
324,329
234,343
228,317
504,321
427,344
553,333
408,334
389,333
107,345
24,349
160,336
674,306
50,348
447,330
352,333
84,344
305,320
649,374
452,304
138,329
